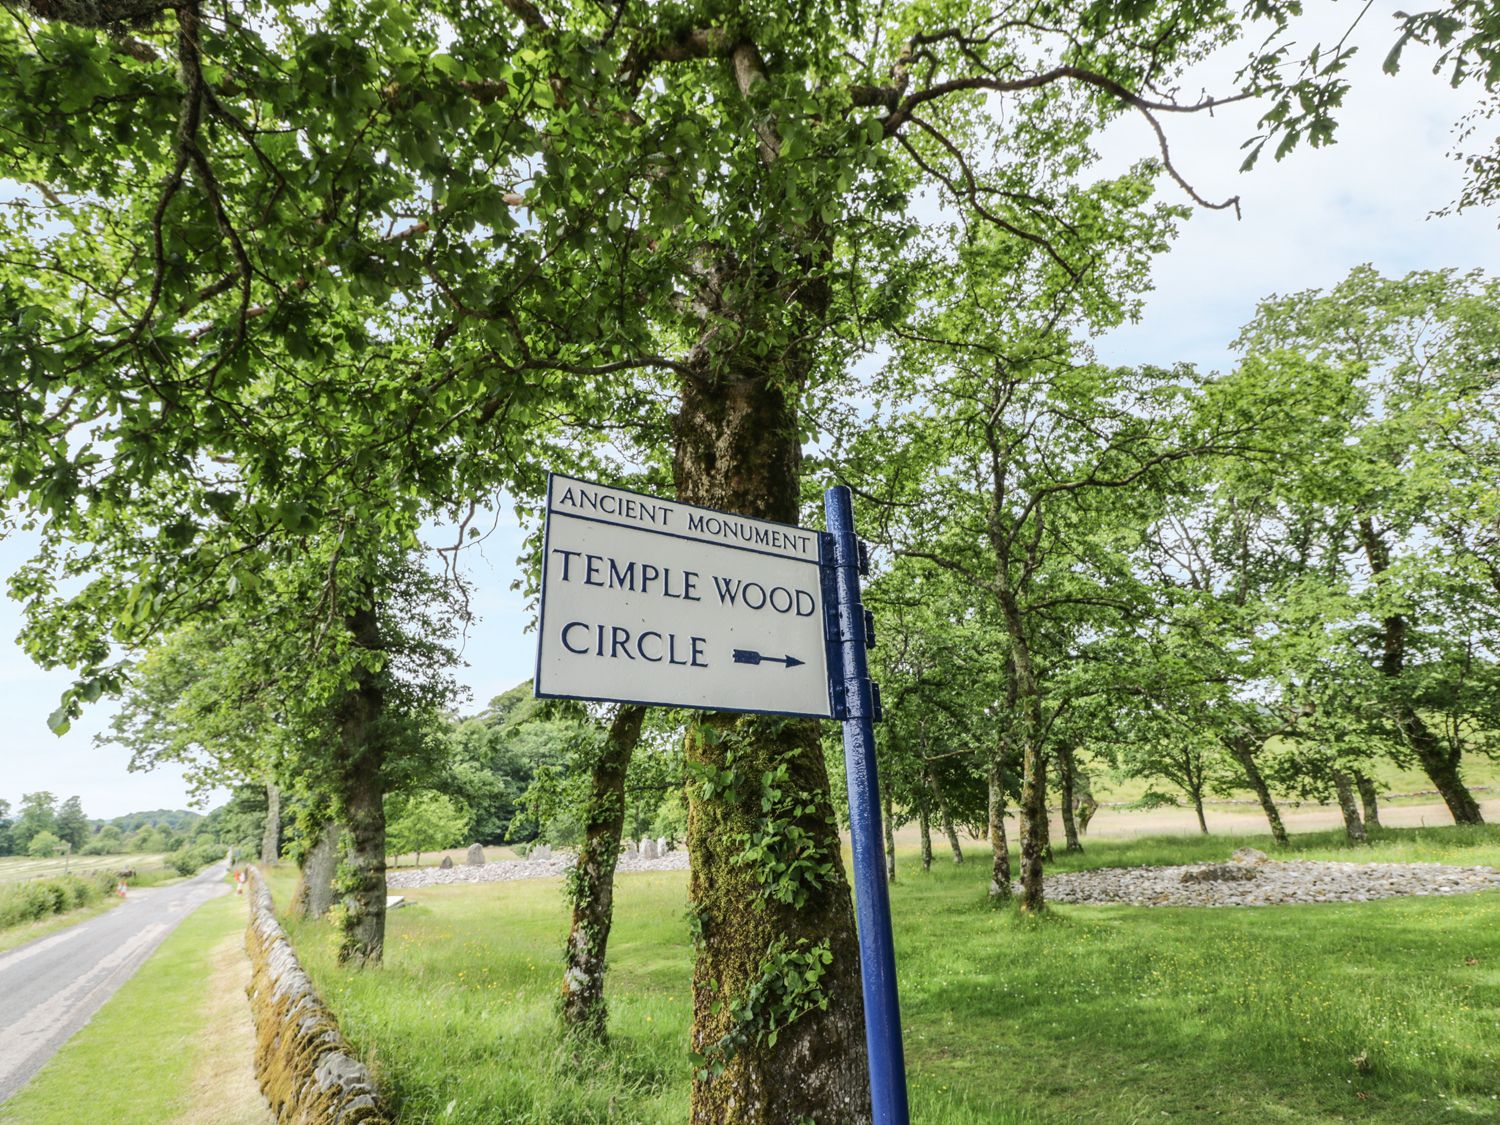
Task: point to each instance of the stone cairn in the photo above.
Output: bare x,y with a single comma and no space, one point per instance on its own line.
304,1067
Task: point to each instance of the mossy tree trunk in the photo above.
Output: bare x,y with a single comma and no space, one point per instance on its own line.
1368,798
1343,785
1000,888
1243,748
925,828
1026,716
592,879
360,770
315,883
1065,775
768,886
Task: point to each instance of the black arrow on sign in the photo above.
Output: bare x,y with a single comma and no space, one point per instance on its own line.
750,656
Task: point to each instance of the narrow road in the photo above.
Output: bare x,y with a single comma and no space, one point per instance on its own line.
53,986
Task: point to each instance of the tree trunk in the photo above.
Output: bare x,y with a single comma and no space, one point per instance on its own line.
315,885
1242,752
941,804
1442,767
1198,808
952,834
1344,787
270,839
926,830
1439,763
360,765
591,882
1045,814
1065,781
738,449
1000,888
1084,804
1026,713
1368,798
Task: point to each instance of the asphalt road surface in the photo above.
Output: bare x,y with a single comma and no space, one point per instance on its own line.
53,986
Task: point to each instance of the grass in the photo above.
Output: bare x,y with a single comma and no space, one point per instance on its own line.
18,869
13,936
1096,1014
165,1049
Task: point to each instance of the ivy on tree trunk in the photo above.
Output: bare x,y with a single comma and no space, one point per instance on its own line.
591,879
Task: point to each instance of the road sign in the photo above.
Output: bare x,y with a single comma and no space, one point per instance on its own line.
651,601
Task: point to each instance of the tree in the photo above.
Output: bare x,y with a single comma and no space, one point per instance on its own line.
37,814
591,879
44,845
279,690
1406,523
71,825
424,821
7,843
707,197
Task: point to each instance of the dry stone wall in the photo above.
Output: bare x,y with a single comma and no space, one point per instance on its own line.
304,1066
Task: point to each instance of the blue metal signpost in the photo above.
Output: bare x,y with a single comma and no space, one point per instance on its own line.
860,709
658,603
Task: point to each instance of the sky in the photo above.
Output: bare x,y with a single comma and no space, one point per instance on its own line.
1306,222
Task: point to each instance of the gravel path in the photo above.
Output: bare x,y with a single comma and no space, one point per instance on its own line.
1267,883
522,869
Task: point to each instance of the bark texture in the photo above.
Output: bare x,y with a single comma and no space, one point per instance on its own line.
591,882
315,885
1369,799
1065,775
270,838
360,770
1343,785
1000,888
738,448
926,829
1243,749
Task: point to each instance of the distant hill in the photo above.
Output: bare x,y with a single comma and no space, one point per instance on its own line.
173,820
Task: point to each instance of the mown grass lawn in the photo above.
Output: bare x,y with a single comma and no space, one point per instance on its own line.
1107,1014
18,869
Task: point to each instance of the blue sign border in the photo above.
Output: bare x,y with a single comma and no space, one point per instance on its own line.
830,620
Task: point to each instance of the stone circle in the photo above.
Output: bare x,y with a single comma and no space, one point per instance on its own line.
1269,883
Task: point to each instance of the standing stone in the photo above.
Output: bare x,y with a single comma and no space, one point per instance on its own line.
475,857
648,849
661,845
542,851
447,862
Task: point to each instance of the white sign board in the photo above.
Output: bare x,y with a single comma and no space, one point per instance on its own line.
652,601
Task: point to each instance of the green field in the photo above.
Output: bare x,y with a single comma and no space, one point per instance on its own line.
1480,774
1103,1014
18,869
